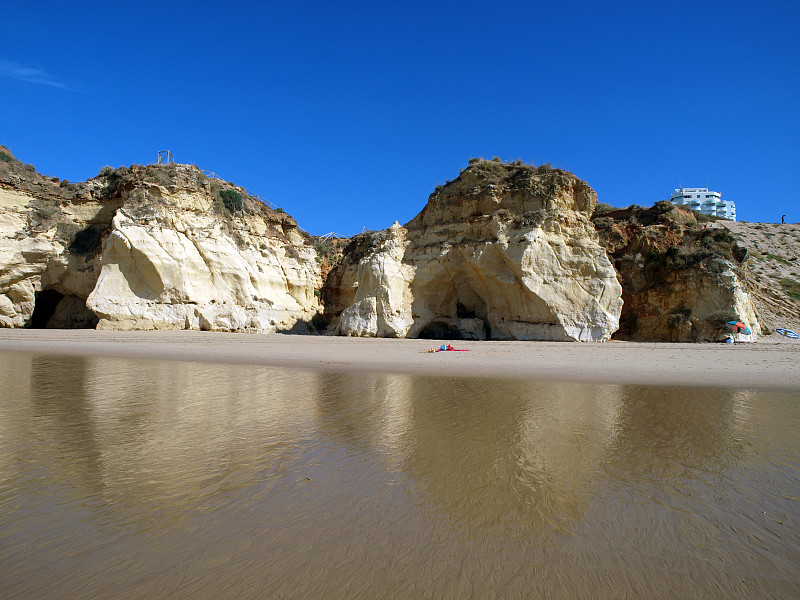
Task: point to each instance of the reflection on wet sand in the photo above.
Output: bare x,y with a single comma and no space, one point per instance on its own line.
140,478
484,454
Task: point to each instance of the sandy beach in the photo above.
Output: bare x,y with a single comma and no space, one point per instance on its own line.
767,364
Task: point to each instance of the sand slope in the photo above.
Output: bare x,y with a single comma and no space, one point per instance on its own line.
773,270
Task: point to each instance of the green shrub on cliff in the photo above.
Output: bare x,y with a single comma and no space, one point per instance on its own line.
679,317
704,218
231,199
603,208
722,243
776,258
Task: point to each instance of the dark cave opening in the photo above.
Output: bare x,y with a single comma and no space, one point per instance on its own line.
54,310
44,308
476,310
439,330
462,312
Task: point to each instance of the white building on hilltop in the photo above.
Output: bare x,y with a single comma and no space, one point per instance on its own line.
704,201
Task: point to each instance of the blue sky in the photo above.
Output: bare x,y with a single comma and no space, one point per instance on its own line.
349,114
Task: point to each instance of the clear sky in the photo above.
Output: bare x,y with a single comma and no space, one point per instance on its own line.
348,114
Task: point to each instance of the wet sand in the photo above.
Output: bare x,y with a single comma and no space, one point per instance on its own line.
766,364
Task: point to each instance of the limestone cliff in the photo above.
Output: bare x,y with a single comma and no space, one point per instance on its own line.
681,280
156,247
506,251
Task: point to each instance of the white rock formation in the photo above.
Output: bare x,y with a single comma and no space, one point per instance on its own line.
184,269
173,262
503,252
34,257
380,286
148,248
483,260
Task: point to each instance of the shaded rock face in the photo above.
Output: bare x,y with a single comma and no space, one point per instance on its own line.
682,280
148,248
503,252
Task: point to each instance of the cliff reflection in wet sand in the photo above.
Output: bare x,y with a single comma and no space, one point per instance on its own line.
123,478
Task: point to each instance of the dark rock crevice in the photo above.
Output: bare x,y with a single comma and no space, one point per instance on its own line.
54,310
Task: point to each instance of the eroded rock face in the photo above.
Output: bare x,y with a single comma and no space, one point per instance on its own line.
148,248
682,280
771,272
503,252
48,238
181,267
373,286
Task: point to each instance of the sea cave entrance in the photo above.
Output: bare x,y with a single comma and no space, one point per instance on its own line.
44,308
439,330
54,310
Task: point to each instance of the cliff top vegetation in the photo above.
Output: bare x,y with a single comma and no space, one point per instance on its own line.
482,175
112,184
664,235
486,187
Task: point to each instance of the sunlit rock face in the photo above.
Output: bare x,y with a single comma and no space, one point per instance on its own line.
371,290
173,262
23,260
503,252
156,247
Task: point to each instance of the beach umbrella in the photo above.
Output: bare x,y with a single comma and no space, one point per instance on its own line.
739,327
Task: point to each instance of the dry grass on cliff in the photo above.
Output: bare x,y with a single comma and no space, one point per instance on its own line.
49,197
772,268
664,235
125,183
486,187
133,187
482,175
16,175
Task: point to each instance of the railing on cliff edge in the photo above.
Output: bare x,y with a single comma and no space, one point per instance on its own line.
333,234
272,205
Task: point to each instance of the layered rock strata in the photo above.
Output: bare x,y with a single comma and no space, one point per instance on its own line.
157,247
772,268
503,252
48,233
